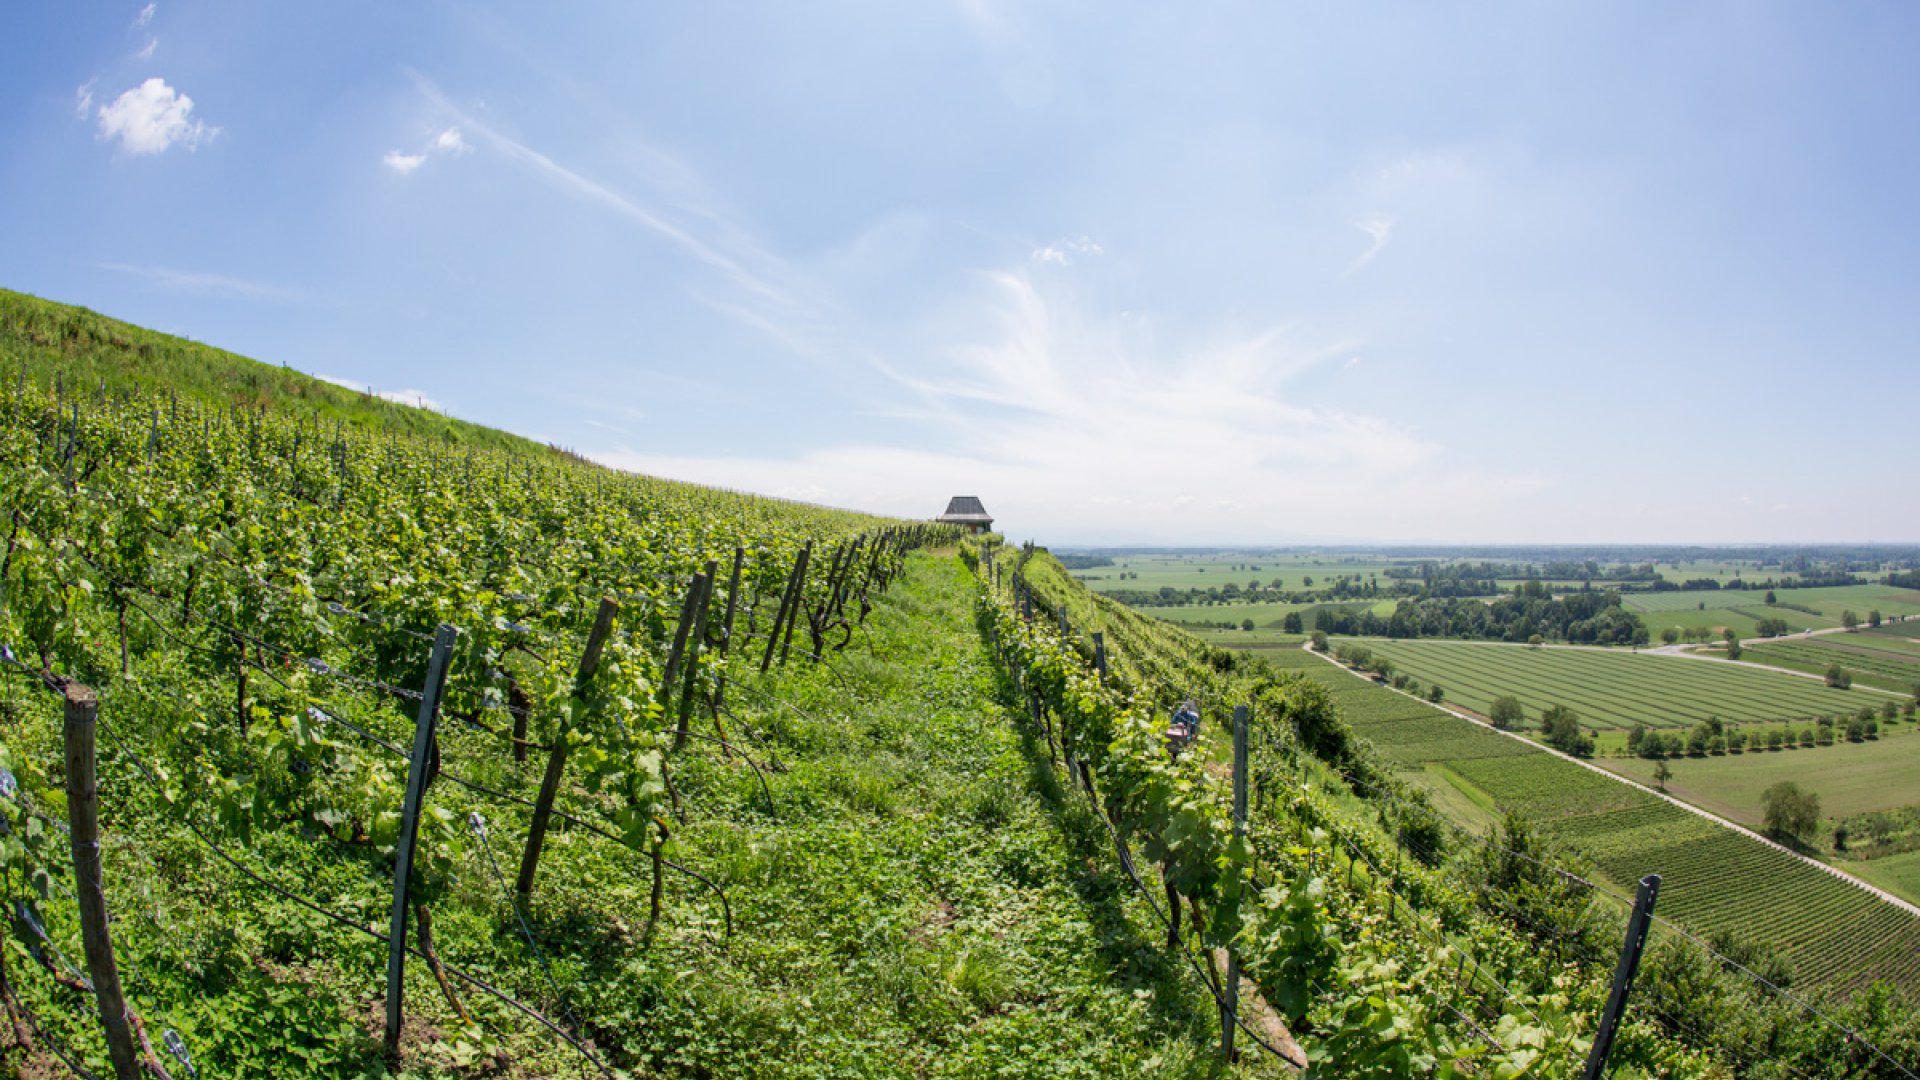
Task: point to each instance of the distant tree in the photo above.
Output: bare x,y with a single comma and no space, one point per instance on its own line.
1733,643
1309,582
1736,740
1319,640
1246,624
1789,812
1775,739
1561,728
1838,677
1507,713
1292,624
1661,774
1636,737
1436,694
1670,635
1536,641
1873,618
1839,838
1849,620
1701,606
1772,599
1383,667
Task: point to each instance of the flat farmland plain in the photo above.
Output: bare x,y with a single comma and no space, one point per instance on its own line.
1850,778
1614,689
1836,935
1741,609
1885,662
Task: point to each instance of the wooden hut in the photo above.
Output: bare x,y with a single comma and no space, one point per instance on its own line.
966,510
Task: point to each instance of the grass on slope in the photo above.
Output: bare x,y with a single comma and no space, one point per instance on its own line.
919,901
49,342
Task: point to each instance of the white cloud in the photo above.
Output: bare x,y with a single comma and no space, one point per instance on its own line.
1061,252
1073,428
152,117
449,142
83,100
416,398
145,16
146,53
1379,230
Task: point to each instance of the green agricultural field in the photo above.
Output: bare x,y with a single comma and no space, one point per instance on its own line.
1713,878
1212,570
1614,689
1850,778
1885,662
1859,599
1898,874
1740,609
1265,616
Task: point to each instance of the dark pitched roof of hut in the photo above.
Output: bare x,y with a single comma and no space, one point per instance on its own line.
966,508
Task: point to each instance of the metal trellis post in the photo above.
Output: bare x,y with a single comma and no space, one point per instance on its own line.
1623,975
1230,1004
423,730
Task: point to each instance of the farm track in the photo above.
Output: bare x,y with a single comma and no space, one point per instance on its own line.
1842,875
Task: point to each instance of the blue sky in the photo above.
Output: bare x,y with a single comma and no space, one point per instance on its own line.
1221,273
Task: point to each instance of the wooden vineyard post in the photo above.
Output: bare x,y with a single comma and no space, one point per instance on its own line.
1637,926
702,600
1230,1008
1100,654
681,630
799,600
557,758
423,735
83,821
726,628
788,598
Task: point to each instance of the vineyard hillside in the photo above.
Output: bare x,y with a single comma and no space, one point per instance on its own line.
332,746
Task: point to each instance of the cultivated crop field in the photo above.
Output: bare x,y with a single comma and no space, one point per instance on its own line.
1834,933
1264,615
1613,689
1213,570
1878,662
1741,609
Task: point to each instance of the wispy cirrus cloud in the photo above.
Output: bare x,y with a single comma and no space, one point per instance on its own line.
1379,230
1073,426
208,284
1062,252
675,207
